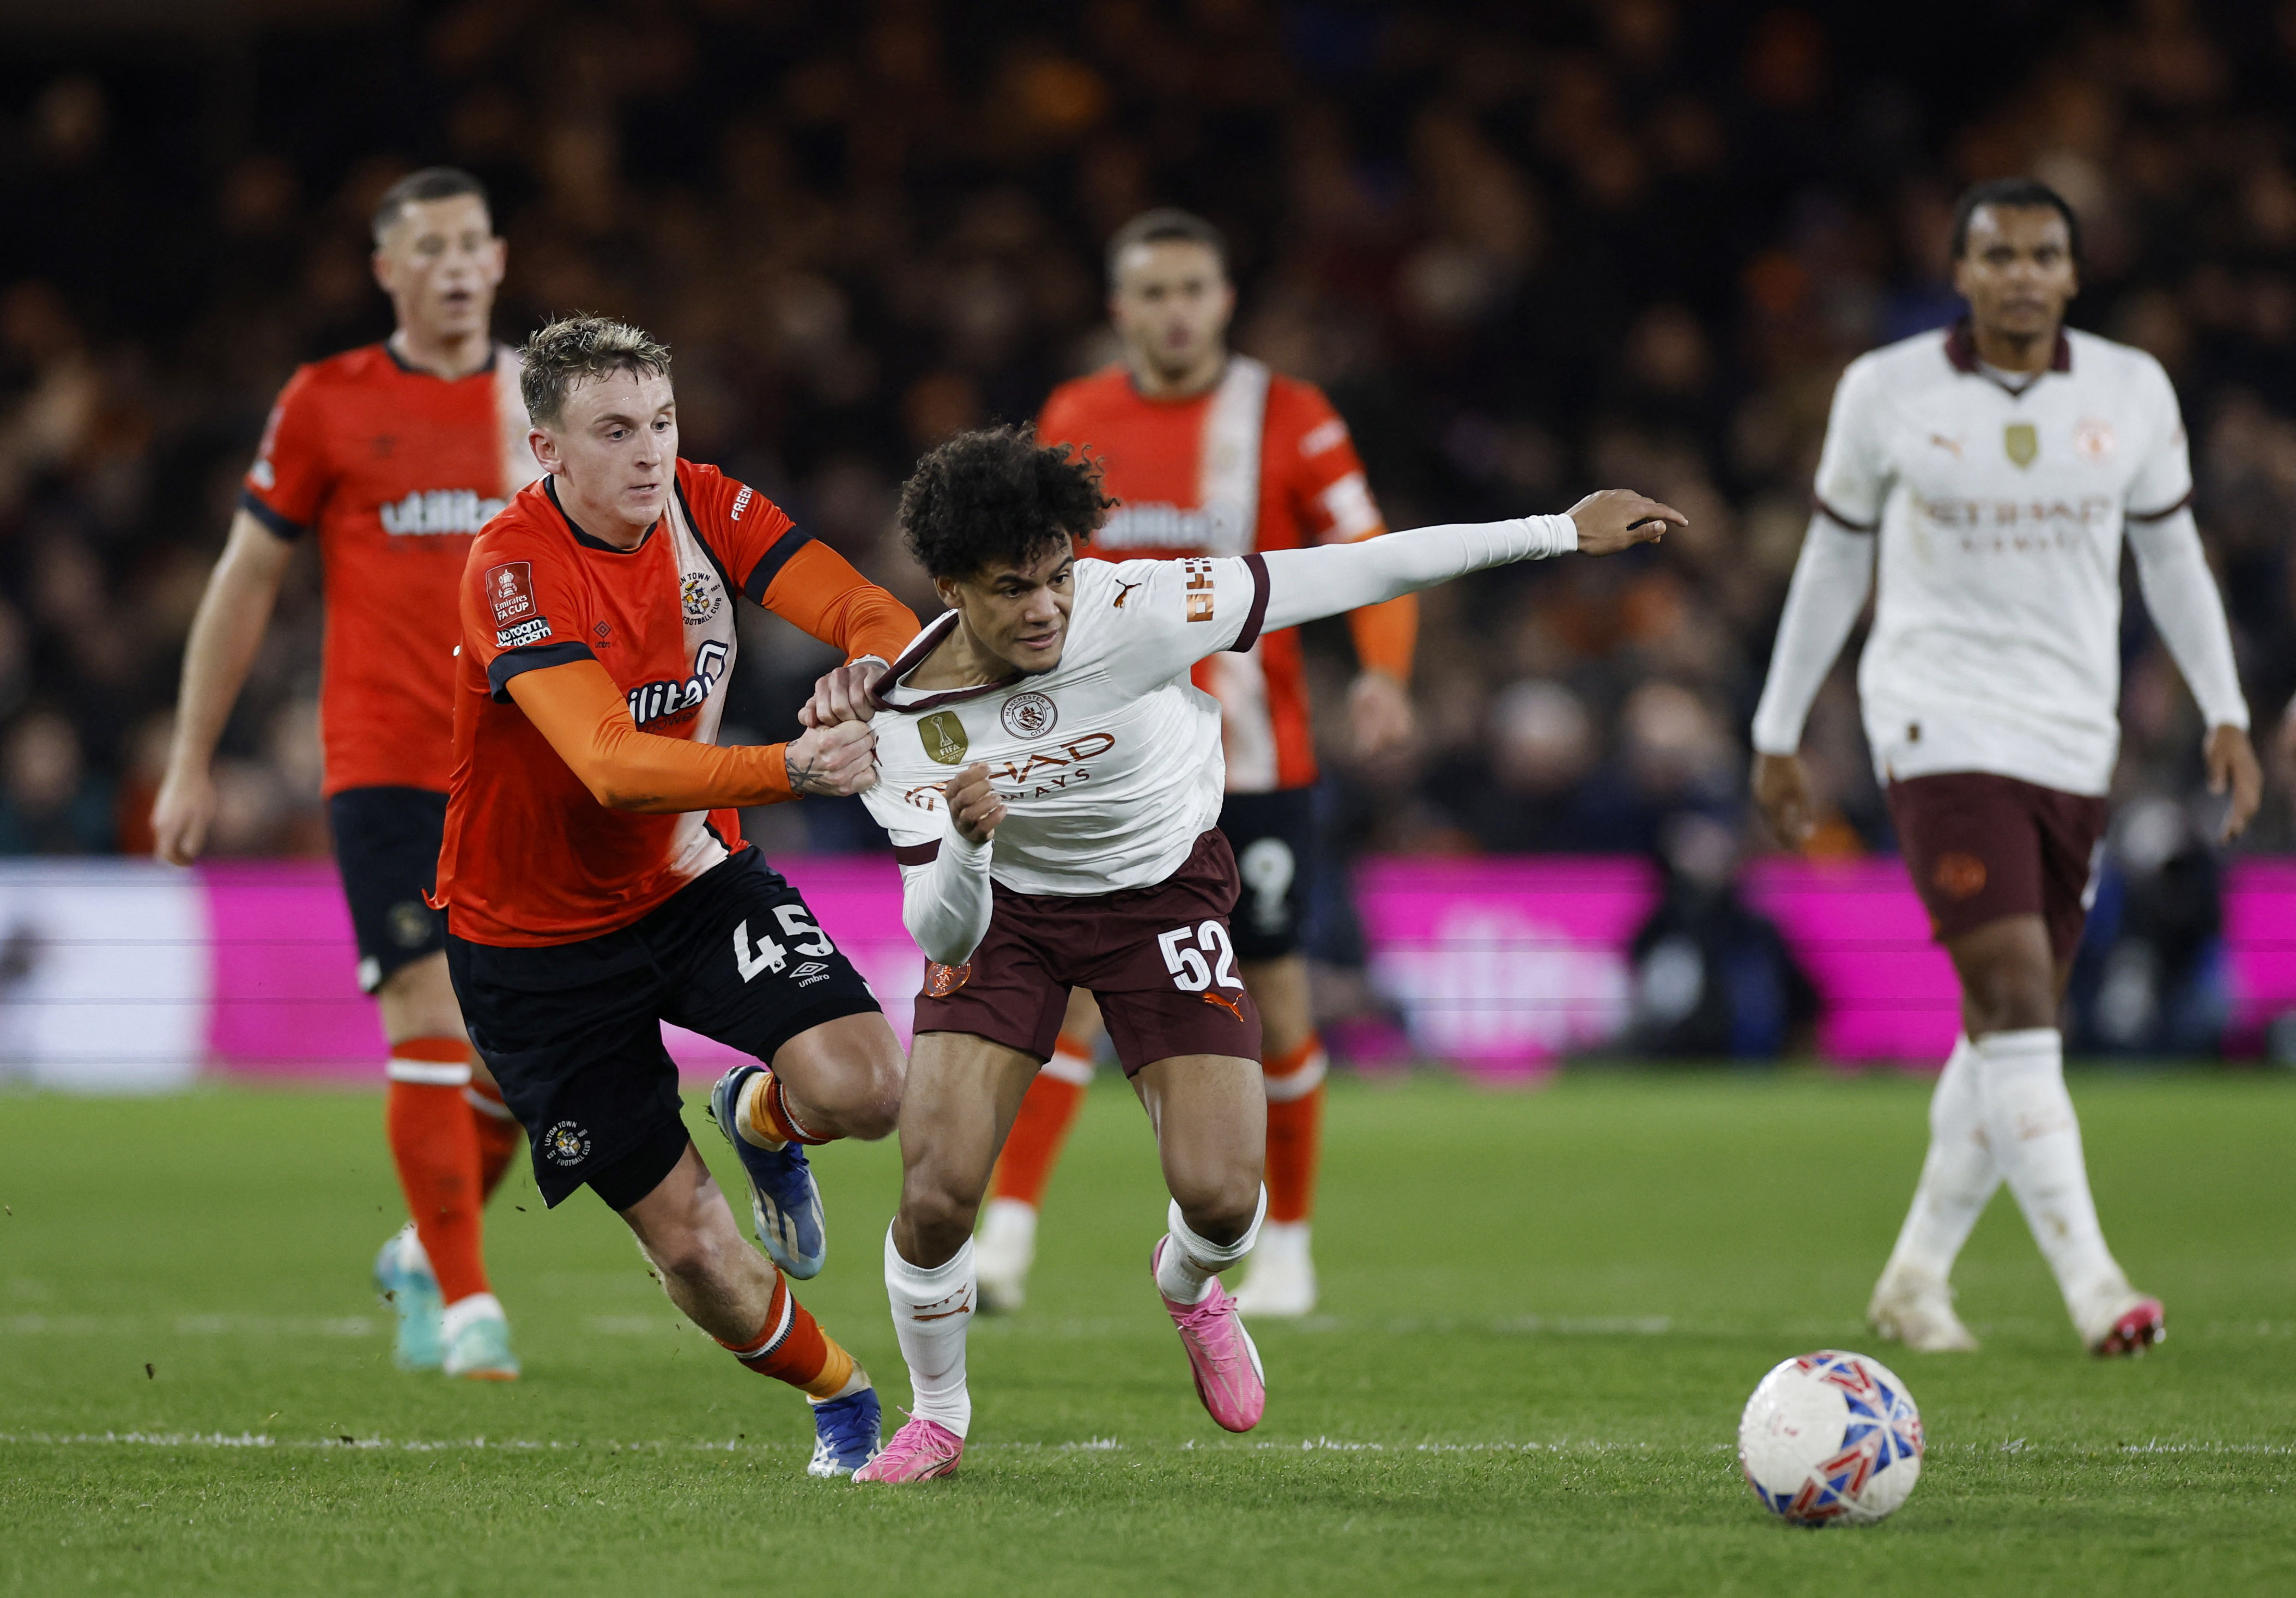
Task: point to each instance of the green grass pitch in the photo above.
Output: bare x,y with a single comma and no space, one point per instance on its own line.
1543,1312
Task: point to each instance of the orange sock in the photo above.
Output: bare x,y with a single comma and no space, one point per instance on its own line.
792,1346
1295,1129
436,1149
769,1113
1033,1147
500,1136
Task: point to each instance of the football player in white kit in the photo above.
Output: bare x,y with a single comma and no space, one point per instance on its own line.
1992,471
1052,783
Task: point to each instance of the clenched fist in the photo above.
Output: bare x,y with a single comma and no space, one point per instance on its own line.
974,804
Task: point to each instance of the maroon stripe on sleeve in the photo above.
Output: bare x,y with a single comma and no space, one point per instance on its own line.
917,854
2159,515
1838,519
1254,616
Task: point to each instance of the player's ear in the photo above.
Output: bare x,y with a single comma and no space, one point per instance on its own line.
948,589
545,447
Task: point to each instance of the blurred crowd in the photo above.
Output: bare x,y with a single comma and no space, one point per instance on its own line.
1527,249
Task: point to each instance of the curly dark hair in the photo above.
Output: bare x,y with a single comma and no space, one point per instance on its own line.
996,496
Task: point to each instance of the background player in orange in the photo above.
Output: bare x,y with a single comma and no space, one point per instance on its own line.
594,874
393,456
1210,453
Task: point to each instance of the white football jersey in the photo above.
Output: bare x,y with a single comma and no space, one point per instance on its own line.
1109,765
1996,639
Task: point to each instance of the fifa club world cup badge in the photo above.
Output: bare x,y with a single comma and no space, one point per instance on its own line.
2023,441
1029,716
943,737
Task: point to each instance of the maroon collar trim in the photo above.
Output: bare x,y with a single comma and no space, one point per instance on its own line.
935,635
1961,351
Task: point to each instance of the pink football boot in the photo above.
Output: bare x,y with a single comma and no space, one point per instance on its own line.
2141,1325
919,1451
1221,1357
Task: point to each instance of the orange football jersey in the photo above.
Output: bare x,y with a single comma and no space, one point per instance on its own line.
1258,461
396,470
531,858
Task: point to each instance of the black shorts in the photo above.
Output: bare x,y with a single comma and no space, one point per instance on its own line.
573,1030
387,848
1273,836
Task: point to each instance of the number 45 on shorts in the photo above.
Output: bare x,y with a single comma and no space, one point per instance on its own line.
1199,956
805,938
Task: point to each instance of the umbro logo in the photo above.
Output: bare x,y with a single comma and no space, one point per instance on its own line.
811,967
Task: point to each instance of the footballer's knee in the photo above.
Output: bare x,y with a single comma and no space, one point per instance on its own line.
1220,1211
938,1211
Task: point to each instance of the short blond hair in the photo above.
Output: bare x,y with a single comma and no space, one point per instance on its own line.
577,347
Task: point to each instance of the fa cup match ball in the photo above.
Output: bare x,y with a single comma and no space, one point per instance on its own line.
1830,1437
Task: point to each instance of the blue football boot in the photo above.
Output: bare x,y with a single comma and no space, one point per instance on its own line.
784,1201
845,1434
402,1275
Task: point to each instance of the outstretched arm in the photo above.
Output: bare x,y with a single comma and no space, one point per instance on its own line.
578,709
1306,585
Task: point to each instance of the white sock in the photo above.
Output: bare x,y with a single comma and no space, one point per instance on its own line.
2035,1137
463,1311
1958,1175
932,1310
1185,1272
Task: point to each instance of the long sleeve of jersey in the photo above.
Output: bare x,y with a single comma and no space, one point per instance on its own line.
577,708
946,900
1829,584
817,589
1306,585
2173,573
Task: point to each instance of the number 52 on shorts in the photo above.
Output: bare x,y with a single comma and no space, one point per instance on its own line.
1199,956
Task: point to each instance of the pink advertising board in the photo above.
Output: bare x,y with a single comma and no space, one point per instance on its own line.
1501,965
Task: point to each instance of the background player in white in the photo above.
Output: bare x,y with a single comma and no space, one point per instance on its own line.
1993,470
1051,781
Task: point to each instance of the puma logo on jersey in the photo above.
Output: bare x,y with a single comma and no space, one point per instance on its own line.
1124,592
652,701
1944,443
441,510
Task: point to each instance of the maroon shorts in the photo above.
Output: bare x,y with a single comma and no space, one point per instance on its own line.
1159,960
1981,847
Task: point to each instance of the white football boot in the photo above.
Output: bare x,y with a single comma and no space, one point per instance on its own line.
1003,1250
1282,1282
1918,1311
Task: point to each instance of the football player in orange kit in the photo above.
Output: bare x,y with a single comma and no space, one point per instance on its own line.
1210,453
593,875
392,456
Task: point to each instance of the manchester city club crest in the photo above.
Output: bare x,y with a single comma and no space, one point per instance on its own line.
2022,442
942,980
565,1144
1029,715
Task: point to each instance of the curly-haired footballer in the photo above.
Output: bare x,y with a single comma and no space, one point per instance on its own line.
1052,781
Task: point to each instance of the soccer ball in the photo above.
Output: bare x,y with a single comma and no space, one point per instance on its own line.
1830,1437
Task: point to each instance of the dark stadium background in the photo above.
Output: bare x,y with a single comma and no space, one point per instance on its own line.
1527,249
